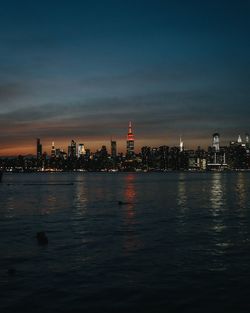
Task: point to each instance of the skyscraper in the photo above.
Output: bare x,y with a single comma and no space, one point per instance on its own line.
130,141
53,150
72,149
113,149
239,140
39,150
81,150
216,142
181,145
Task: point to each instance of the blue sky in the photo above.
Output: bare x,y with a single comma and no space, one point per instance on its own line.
82,69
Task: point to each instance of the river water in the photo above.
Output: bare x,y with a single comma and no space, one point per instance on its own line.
180,242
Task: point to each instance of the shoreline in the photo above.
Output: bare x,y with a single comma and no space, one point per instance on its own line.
127,172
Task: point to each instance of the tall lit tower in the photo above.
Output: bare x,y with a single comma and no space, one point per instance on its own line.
216,142
181,145
130,141
53,150
239,140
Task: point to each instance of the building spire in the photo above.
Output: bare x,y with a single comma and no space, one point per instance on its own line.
130,128
181,144
130,133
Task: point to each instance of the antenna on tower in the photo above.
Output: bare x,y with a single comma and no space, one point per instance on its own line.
130,127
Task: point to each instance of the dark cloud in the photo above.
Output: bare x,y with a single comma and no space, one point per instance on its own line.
85,70
162,116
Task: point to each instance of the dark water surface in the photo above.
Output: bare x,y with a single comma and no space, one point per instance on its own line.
180,244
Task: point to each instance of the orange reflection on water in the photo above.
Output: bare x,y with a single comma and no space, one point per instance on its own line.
130,194
131,239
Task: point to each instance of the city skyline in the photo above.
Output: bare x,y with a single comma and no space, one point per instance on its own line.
235,156
124,145
82,70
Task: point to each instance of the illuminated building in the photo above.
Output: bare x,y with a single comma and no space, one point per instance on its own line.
216,142
72,149
181,145
216,146
239,140
81,150
53,150
130,141
247,140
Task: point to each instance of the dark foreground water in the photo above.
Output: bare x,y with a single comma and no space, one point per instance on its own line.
180,244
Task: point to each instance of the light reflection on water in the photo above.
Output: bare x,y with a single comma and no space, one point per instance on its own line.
131,241
216,196
80,196
179,236
241,190
182,191
217,207
130,195
10,206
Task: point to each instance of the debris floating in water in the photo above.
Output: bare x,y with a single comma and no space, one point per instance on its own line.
123,203
42,239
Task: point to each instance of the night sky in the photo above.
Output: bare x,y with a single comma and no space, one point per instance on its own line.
83,69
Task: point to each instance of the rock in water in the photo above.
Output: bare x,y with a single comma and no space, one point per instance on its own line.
42,239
